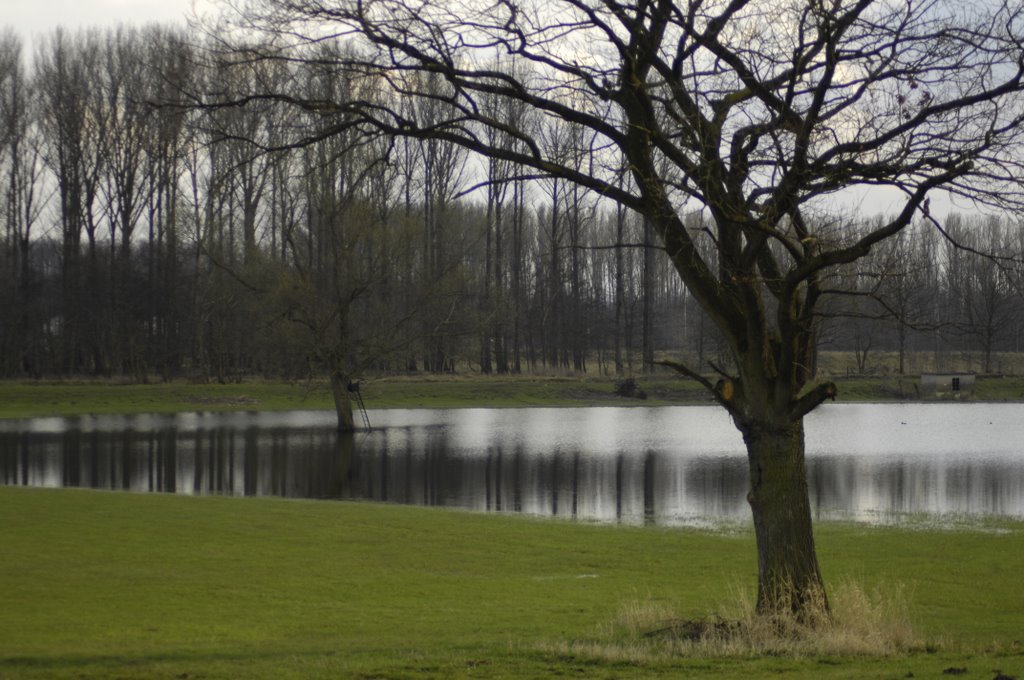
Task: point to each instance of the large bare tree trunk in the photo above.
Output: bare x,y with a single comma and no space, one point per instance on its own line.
788,575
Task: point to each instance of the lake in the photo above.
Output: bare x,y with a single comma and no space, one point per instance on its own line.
659,465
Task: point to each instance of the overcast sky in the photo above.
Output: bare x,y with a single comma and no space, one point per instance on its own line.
31,18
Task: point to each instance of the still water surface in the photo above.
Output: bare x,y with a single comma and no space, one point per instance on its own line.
665,465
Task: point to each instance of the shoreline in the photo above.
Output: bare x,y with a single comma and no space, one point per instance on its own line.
73,397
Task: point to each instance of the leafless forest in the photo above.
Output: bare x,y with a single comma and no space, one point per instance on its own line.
147,237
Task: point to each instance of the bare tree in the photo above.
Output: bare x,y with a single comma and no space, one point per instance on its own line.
126,184
756,113
74,127
442,165
987,304
22,202
169,65
906,266
491,301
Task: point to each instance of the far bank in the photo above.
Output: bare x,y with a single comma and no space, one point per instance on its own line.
24,399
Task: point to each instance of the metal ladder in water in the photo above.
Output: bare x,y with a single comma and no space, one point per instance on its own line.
353,387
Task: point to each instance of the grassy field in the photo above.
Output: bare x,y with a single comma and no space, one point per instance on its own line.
19,399
116,585
27,399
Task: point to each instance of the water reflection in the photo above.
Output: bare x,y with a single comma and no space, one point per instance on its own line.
655,465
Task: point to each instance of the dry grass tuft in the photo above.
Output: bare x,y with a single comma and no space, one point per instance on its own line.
859,624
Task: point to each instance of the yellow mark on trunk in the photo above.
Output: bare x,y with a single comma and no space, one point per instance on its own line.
726,389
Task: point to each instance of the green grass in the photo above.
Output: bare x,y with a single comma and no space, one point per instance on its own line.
22,399
1010,388
29,399
891,388
114,585
50,398
498,391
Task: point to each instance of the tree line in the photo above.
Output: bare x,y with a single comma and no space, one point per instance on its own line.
142,239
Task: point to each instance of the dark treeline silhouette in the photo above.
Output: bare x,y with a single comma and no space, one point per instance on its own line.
145,240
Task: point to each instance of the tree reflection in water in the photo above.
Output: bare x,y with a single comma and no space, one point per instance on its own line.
590,469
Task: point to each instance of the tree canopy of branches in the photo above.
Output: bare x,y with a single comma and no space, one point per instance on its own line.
758,114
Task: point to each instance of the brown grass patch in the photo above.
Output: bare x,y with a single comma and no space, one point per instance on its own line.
859,623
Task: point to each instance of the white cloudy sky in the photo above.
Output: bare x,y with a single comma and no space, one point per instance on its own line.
30,18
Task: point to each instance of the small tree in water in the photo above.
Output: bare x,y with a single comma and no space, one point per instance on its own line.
757,114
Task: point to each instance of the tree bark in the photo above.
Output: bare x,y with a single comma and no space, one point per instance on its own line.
789,578
342,401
